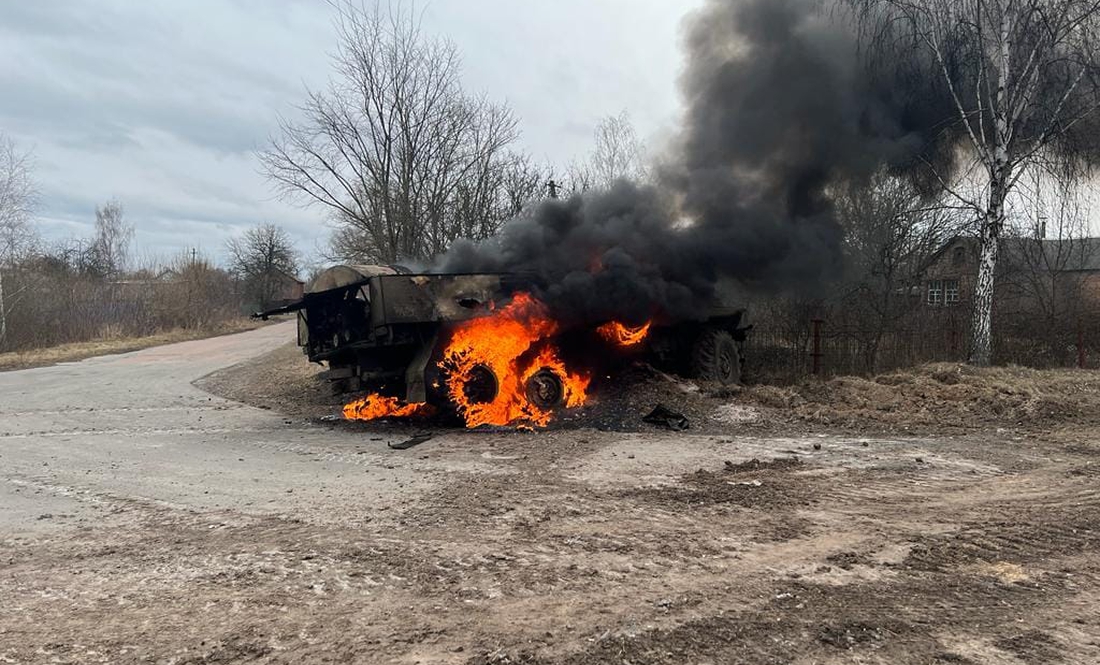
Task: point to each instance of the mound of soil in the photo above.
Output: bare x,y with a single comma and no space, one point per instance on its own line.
932,398
620,402
941,396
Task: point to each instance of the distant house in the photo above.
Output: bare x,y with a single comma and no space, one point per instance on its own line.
288,289
1028,269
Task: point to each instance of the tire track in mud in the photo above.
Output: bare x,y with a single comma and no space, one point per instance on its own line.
990,555
514,562
1019,534
980,516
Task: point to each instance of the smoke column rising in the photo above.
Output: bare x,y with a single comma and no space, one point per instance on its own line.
779,107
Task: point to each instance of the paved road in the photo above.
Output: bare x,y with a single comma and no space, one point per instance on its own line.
74,437
79,440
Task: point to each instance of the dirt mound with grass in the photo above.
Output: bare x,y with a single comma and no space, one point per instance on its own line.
937,398
941,396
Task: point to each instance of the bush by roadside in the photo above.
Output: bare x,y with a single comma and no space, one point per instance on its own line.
41,357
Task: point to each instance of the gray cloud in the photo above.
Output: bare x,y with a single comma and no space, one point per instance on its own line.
162,104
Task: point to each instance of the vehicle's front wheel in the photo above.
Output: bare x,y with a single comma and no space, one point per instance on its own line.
715,357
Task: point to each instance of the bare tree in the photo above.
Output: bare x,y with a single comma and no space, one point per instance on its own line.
18,236
617,153
263,258
890,233
579,177
493,194
1040,282
404,159
1022,75
110,248
523,183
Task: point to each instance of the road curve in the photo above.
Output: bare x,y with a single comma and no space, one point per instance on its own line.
76,437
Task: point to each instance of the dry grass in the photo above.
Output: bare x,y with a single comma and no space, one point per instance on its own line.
111,345
942,395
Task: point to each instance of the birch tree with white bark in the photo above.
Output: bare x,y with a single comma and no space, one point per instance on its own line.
18,236
1023,78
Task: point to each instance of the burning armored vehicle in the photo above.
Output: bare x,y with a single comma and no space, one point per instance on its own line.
482,345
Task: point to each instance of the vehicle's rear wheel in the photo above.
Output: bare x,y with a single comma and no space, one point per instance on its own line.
715,357
481,387
544,389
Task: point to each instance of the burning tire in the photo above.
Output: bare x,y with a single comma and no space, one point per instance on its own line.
545,389
481,387
715,357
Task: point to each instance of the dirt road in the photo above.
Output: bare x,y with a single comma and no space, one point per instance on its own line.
143,520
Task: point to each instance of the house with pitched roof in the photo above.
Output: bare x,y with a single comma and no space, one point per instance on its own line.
1032,274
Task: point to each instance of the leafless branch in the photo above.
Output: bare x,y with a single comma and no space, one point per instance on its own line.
404,159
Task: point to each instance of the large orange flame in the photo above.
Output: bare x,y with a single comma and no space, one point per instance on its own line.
513,344
377,406
622,335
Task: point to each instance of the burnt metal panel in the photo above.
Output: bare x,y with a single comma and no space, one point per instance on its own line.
397,299
416,387
337,277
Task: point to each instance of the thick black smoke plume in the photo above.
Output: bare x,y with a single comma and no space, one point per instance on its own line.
780,106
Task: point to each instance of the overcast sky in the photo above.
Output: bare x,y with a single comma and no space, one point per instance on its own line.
162,103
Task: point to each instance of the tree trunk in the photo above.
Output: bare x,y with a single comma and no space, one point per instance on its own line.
981,336
3,314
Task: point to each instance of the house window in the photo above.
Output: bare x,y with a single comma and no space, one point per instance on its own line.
935,292
959,256
951,291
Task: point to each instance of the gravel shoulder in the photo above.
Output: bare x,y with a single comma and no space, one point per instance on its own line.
747,541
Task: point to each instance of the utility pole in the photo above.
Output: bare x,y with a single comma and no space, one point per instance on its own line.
188,279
